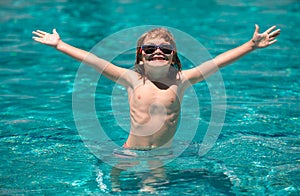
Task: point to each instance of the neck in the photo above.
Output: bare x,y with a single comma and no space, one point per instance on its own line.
158,74
161,80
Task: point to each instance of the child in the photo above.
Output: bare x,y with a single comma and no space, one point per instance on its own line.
156,85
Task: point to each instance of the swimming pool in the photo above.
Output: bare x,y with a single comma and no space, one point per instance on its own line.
42,152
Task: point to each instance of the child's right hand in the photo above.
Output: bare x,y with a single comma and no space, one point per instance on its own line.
47,38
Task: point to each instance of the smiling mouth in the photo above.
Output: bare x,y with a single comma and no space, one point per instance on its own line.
158,58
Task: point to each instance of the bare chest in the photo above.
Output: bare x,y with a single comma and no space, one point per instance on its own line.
148,95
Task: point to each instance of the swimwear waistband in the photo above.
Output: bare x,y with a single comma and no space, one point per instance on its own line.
142,148
157,153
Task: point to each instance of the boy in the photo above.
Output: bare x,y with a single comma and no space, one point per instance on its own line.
156,86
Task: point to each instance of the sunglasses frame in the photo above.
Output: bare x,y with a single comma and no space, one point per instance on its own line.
162,48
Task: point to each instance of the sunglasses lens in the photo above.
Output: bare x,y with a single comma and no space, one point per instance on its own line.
167,49
148,49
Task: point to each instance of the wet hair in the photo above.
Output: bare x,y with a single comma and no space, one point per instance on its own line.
168,37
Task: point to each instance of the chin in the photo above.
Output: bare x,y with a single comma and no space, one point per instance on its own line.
159,63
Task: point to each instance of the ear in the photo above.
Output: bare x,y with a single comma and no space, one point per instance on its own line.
138,55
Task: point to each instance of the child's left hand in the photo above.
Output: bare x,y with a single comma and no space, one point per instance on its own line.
262,40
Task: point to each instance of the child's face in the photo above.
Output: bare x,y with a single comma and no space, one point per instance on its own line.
157,52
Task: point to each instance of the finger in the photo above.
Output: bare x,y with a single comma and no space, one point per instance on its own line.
42,32
54,31
272,42
37,33
270,29
256,29
275,33
37,39
271,38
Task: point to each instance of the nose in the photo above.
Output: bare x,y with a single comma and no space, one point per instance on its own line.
157,50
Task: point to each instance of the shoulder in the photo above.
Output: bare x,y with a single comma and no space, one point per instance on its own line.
181,77
134,77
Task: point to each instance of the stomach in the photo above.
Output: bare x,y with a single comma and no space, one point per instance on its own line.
152,137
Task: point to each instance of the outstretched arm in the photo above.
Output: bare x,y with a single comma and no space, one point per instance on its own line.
111,71
258,41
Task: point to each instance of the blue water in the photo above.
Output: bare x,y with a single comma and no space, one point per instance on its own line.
42,152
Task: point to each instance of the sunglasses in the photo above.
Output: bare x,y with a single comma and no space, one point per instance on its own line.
165,48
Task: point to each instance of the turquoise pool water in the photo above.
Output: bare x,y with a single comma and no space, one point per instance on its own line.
257,151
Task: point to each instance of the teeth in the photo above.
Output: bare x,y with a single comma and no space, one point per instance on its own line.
158,58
